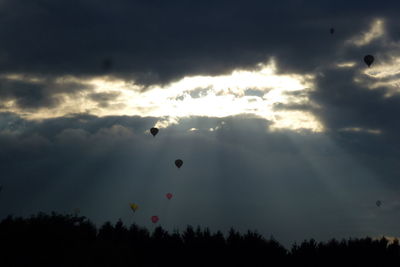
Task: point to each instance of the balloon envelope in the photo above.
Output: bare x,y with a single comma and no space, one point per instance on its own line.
378,203
178,163
154,219
134,206
107,64
154,131
169,195
369,59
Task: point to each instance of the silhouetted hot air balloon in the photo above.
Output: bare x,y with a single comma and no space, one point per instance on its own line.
154,131
154,219
369,59
332,30
107,64
169,195
378,203
178,163
133,206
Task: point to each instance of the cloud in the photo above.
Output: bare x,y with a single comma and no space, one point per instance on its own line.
376,31
254,92
154,43
31,93
103,99
134,58
356,129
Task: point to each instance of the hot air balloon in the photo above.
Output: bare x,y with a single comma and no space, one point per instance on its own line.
169,195
379,203
369,59
178,163
154,219
332,30
154,131
107,64
133,206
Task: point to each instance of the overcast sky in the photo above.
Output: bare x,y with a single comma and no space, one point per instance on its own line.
280,124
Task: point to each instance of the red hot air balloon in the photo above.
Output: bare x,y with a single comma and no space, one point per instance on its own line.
178,163
169,195
154,131
154,219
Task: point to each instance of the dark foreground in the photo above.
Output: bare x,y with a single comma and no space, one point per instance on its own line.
66,240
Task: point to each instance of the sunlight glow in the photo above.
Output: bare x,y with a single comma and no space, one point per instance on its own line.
346,64
376,31
253,92
358,129
386,76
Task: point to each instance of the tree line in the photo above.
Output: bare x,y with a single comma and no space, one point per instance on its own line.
71,240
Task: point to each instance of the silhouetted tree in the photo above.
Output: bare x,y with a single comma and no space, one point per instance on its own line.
66,240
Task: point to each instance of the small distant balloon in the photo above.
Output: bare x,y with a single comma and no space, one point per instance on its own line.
379,203
154,219
133,206
369,59
178,163
332,30
154,131
169,195
107,64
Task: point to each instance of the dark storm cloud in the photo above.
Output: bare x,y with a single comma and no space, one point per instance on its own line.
156,41
27,95
302,107
346,104
31,95
91,124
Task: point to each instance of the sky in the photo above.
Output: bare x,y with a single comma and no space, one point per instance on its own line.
281,126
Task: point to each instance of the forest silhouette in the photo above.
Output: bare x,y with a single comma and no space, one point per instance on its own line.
71,240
